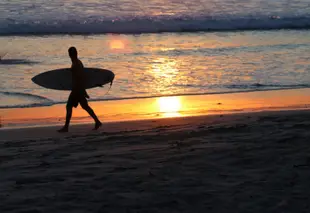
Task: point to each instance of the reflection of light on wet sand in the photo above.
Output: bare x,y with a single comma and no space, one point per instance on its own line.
165,71
170,106
150,108
171,114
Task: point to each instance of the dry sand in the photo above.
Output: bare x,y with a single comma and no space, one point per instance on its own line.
255,162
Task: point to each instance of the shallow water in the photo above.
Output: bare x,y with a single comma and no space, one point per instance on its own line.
159,64
192,57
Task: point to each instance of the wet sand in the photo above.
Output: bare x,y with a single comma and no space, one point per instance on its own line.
160,107
246,162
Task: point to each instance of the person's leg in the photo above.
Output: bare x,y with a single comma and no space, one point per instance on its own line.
69,107
87,108
65,128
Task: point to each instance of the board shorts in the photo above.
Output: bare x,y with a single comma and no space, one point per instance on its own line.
76,97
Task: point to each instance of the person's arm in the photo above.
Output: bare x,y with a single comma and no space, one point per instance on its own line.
81,75
82,79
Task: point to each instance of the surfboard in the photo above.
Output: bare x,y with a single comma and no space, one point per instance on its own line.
61,79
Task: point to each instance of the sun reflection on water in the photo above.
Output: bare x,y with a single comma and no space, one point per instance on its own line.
166,73
165,67
117,44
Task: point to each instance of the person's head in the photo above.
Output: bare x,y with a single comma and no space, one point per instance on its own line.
72,52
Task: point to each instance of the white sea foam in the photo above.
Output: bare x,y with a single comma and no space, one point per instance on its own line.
122,16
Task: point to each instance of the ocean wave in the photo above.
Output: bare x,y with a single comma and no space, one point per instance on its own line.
25,105
220,50
22,100
245,87
16,62
258,85
150,25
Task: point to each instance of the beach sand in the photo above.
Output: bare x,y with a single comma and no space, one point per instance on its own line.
247,162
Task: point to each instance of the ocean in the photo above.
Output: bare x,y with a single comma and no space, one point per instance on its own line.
155,48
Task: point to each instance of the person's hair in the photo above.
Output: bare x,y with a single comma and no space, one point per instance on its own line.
72,52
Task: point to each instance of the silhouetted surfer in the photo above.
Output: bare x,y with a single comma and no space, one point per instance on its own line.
78,93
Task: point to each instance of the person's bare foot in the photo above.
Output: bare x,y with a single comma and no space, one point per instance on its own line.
97,125
63,129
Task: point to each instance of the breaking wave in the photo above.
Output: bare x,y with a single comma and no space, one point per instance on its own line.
21,100
97,25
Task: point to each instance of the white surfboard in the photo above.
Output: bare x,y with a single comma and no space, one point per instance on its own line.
61,79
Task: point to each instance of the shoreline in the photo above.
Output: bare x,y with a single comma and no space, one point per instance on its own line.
152,108
161,96
128,114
